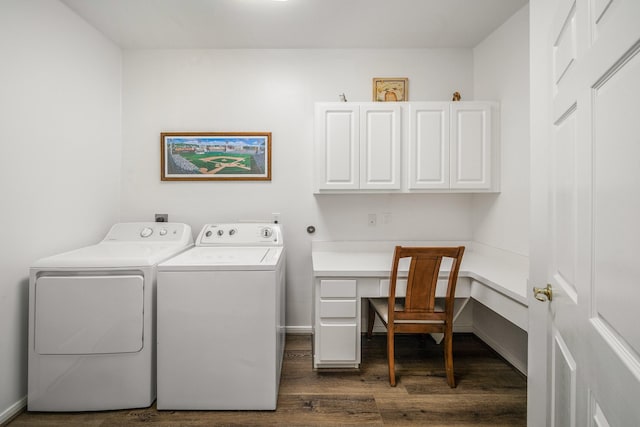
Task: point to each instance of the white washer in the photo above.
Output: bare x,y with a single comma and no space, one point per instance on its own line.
221,320
92,323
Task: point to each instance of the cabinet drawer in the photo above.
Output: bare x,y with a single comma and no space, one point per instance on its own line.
346,308
338,288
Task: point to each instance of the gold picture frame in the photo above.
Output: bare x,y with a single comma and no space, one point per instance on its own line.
390,89
215,156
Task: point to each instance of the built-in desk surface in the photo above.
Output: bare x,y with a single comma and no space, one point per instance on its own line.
496,278
502,271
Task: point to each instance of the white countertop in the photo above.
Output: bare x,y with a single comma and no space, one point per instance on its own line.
503,271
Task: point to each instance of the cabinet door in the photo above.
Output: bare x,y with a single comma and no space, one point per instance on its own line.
380,139
470,157
338,342
337,146
428,159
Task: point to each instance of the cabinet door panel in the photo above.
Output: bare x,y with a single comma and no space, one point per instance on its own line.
470,145
338,139
338,342
428,159
380,139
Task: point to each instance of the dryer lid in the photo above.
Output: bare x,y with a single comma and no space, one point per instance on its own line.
127,244
113,254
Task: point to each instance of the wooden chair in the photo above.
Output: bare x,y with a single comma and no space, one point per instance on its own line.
419,314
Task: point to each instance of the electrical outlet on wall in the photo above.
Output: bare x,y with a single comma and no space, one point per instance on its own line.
372,219
162,217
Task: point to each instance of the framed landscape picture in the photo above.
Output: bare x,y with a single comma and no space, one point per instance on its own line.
215,156
390,89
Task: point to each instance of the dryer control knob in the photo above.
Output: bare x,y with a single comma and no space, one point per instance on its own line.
163,231
220,232
266,232
232,232
146,232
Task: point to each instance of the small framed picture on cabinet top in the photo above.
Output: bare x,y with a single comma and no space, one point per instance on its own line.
389,89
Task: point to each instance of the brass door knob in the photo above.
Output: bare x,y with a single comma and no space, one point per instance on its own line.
543,294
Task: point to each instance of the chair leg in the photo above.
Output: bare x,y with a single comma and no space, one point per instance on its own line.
370,319
391,355
448,357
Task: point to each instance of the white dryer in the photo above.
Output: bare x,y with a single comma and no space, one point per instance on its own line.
92,320
221,320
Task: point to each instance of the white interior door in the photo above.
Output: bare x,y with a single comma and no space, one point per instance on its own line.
584,345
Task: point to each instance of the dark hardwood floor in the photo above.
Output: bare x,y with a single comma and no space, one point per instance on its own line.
489,392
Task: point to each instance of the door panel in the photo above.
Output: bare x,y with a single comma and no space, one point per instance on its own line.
564,203
599,419
563,384
564,49
616,205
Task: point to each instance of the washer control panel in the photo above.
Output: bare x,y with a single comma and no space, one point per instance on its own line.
149,232
240,234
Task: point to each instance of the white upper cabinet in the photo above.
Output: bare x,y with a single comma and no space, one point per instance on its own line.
380,146
358,146
471,145
337,148
407,147
428,159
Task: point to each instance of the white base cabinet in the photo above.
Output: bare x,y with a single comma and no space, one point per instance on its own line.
407,147
337,323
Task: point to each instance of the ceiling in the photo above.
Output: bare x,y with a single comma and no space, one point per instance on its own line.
248,24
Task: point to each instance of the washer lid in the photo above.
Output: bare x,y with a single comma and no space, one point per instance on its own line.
224,258
114,254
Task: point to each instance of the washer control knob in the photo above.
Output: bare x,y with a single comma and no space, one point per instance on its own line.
232,231
220,232
208,233
163,231
146,232
266,232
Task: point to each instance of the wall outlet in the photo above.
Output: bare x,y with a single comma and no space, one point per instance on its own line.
162,217
275,218
372,219
386,217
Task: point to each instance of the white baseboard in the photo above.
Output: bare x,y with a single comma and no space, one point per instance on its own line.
13,410
299,330
502,351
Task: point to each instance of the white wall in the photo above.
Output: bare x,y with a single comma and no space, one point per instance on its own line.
60,88
275,90
501,73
